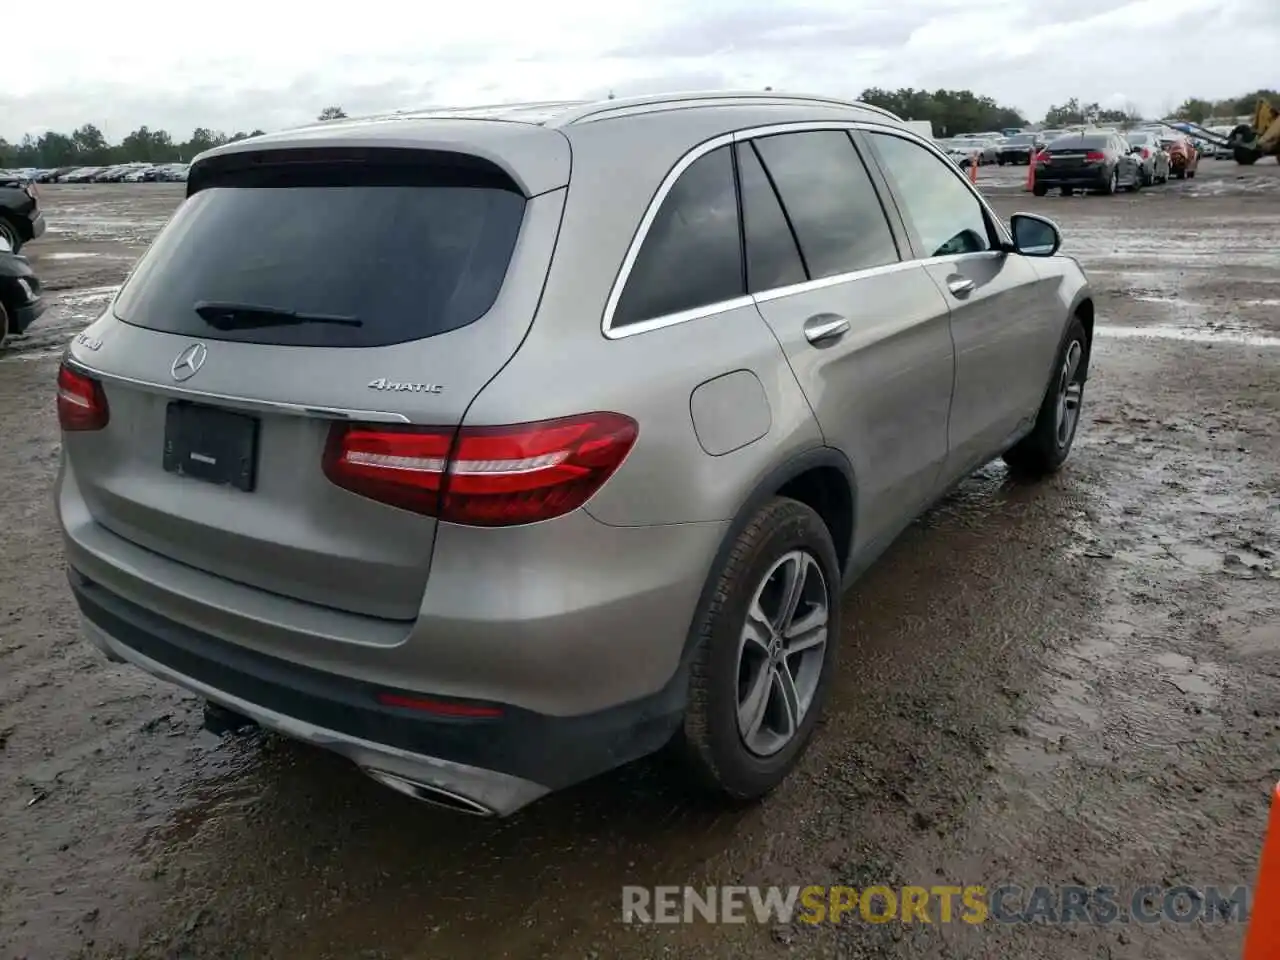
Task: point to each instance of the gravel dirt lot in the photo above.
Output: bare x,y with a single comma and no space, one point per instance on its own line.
1076,682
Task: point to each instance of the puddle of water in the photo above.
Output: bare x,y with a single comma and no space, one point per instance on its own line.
1165,332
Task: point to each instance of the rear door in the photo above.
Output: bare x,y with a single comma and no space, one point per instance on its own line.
1002,313
281,299
864,330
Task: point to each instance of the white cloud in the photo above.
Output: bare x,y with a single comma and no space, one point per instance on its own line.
242,64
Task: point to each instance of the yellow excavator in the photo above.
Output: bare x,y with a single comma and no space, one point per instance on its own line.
1248,142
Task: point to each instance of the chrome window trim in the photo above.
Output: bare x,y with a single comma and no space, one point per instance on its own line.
724,306
248,403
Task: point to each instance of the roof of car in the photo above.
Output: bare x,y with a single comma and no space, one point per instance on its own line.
563,113
530,141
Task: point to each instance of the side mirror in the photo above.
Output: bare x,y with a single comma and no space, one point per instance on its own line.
1035,236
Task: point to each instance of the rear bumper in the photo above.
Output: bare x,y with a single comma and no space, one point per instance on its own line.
496,764
1088,180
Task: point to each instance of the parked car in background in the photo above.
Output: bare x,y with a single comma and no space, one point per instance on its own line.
79,175
21,302
20,218
1151,154
962,152
1184,158
299,496
1019,148
1087,161
984,147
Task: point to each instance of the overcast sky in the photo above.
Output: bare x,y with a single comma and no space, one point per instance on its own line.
240,64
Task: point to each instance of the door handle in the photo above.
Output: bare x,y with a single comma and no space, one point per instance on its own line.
824,327
959,286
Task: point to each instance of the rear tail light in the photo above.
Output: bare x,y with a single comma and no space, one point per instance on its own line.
481,476
1145,153
1095,156
81,403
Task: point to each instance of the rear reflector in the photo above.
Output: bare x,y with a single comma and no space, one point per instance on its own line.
440,708
81,403
481,476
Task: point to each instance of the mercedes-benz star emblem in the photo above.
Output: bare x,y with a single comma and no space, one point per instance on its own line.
189,362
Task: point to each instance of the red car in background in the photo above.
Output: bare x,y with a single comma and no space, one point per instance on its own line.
1183,156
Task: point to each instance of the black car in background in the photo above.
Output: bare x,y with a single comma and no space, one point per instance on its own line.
1019,148
20,218
1087,161
20,299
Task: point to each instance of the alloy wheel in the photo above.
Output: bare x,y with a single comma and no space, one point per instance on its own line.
781,652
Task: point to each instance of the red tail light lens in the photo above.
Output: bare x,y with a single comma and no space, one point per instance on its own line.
81,403
482,476
1095,156
1145,153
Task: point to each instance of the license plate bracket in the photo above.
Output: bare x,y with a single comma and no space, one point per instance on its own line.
210,444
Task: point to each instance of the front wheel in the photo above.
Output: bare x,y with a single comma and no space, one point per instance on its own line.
766,651
1046,447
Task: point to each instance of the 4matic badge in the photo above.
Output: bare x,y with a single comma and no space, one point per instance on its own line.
382,383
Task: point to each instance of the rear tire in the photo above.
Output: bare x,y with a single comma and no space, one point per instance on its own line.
1047,446
745,691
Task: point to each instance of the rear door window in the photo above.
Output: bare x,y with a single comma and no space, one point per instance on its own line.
947,217
773,259
692,255
830,200
334,257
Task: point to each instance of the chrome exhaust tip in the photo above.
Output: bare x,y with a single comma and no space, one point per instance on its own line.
430,794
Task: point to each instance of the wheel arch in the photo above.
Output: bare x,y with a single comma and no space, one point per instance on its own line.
822,478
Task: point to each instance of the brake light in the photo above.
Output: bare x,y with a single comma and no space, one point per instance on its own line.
1095,156
81,403
481,476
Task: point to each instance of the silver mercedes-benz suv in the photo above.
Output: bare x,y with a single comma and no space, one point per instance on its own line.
496,448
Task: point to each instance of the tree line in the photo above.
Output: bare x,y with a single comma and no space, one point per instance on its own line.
1194,109
87,147
952,112
1198,110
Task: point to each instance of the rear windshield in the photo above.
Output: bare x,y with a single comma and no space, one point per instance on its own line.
1077,142
333,262
1020,139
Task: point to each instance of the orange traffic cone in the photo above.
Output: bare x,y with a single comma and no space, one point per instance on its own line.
973,169
1262,941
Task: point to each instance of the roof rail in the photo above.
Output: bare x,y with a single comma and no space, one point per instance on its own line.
603,108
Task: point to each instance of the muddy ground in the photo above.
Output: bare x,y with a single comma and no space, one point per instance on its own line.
1076,682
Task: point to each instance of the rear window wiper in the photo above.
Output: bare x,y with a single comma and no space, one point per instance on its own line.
227,315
